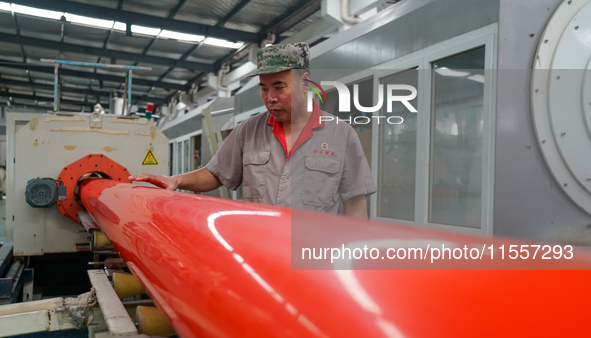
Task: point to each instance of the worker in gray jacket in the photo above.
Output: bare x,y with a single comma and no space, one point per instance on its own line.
288,156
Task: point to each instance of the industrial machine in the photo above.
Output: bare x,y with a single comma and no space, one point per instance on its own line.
54,238
61,150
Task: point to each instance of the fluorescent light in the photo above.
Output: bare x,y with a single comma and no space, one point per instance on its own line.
120,26
84,20
222,43
5,6
444,71
477,78
145,30
107,24
181,36
37,12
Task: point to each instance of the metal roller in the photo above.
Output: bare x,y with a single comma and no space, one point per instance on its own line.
152,321
126,285
99,240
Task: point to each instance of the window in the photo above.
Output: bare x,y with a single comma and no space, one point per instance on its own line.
179,158
455,171
437,167
196,146
397,155
187,157
171,163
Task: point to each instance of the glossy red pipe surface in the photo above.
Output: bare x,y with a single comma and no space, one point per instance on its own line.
219,268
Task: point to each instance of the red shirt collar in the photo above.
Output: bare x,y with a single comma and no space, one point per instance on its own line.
313,123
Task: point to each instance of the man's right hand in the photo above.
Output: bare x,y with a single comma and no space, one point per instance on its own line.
162,181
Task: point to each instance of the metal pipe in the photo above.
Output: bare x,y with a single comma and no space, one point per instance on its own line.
223,70
94,64
129,93
56,105
270,39
218,267
351,20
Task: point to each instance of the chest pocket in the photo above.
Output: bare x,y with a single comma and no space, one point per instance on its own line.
254,170
321,181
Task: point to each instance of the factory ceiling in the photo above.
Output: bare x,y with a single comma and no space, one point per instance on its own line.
181,40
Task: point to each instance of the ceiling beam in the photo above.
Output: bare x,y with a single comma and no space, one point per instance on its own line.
292,15
176,9
43,98
296,13
233,12
188,53
132,18
109,34
90,75
92,51
49,107
218,64
18,33
172,14
85,91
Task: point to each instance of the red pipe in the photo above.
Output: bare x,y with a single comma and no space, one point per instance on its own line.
219,267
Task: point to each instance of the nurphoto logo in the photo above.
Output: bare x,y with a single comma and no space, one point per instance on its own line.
345,101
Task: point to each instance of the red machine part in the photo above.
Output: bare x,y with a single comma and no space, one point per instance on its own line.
218,267
71,175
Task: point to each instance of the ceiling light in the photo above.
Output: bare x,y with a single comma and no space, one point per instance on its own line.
181,36
5,6
222,43
84,20
145,30
120,26
37,12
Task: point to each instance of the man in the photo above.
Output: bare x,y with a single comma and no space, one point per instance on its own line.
286,156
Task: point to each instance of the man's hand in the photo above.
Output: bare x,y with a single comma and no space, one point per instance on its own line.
199,180
162,181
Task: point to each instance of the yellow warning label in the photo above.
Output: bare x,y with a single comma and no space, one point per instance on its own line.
150,159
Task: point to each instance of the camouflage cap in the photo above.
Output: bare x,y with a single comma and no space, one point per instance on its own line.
277,58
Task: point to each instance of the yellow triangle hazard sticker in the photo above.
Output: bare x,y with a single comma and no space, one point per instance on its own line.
150,159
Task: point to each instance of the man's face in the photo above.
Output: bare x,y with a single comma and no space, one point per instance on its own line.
276,92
